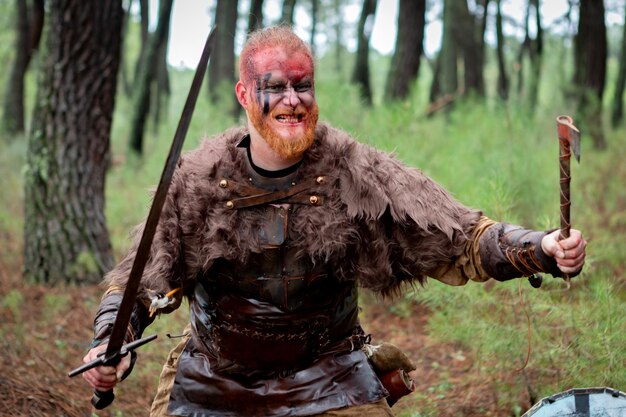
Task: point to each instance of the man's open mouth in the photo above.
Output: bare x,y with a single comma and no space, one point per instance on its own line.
289,118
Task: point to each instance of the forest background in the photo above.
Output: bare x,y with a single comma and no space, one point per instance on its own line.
91,105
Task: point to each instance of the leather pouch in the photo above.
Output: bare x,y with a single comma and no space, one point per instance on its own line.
392,367
398,383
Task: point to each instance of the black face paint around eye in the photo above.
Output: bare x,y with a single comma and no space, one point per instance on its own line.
266,96
258,90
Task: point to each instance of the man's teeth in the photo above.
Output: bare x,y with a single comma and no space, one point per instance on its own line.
288,119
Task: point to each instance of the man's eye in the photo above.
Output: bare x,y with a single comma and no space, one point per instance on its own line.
274,88
302,87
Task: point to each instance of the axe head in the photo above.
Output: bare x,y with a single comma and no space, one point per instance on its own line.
567,131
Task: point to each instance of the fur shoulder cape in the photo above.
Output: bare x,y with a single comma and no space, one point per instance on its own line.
382,223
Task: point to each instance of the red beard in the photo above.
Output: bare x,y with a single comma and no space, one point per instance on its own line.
292,146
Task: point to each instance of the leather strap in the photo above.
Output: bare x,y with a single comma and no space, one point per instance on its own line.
349,344
254,196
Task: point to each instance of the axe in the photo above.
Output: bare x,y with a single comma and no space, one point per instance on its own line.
569,141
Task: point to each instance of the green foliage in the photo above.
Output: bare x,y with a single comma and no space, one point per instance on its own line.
12,302
84,264
55,304
7,39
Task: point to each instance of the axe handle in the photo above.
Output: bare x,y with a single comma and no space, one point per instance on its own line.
565,155
565,178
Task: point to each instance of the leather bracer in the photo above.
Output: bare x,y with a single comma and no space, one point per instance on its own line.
508,251
105,318
106,314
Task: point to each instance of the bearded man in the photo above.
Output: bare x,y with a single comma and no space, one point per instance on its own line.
269,229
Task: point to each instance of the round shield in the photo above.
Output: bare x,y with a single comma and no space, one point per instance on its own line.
581,402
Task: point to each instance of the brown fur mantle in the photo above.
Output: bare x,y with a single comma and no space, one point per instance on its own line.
382,224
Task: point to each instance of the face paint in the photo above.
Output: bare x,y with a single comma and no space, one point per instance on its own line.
266,96
285,111
258,90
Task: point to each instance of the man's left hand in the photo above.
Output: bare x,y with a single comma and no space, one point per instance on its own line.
569,253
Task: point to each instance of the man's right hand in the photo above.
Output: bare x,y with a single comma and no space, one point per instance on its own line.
104,378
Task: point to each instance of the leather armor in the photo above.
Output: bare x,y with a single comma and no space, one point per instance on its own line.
267,333
275,313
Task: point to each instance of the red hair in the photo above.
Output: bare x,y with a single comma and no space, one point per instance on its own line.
277,36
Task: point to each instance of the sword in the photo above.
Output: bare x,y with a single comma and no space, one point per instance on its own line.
116,349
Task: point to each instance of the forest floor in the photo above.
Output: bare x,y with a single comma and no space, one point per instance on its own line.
44,332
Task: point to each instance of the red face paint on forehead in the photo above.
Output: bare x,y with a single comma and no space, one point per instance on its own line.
276,61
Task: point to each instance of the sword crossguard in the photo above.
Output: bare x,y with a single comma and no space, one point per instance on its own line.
112,359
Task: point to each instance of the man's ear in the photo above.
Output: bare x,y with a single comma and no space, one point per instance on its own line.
240,91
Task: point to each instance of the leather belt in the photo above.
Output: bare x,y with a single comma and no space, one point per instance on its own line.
349,344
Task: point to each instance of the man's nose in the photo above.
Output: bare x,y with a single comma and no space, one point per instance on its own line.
291,97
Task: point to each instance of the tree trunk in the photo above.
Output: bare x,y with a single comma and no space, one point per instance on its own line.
144,13
29,24
255,18
525,46
535,53
618,97
222,64
528,89
36,24
361,74
124,76
520,66
484,4
590,55
148,74
503,79
435,86
289,8
405,62
448,76
337,26
469,35
66,238
13,118
144,32
314,11
162,88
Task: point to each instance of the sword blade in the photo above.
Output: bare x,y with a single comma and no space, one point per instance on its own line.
118,333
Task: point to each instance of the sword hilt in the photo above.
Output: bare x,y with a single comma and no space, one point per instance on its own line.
102,399
111,359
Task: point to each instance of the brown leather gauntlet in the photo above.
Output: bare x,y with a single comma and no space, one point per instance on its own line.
508,251
105,317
